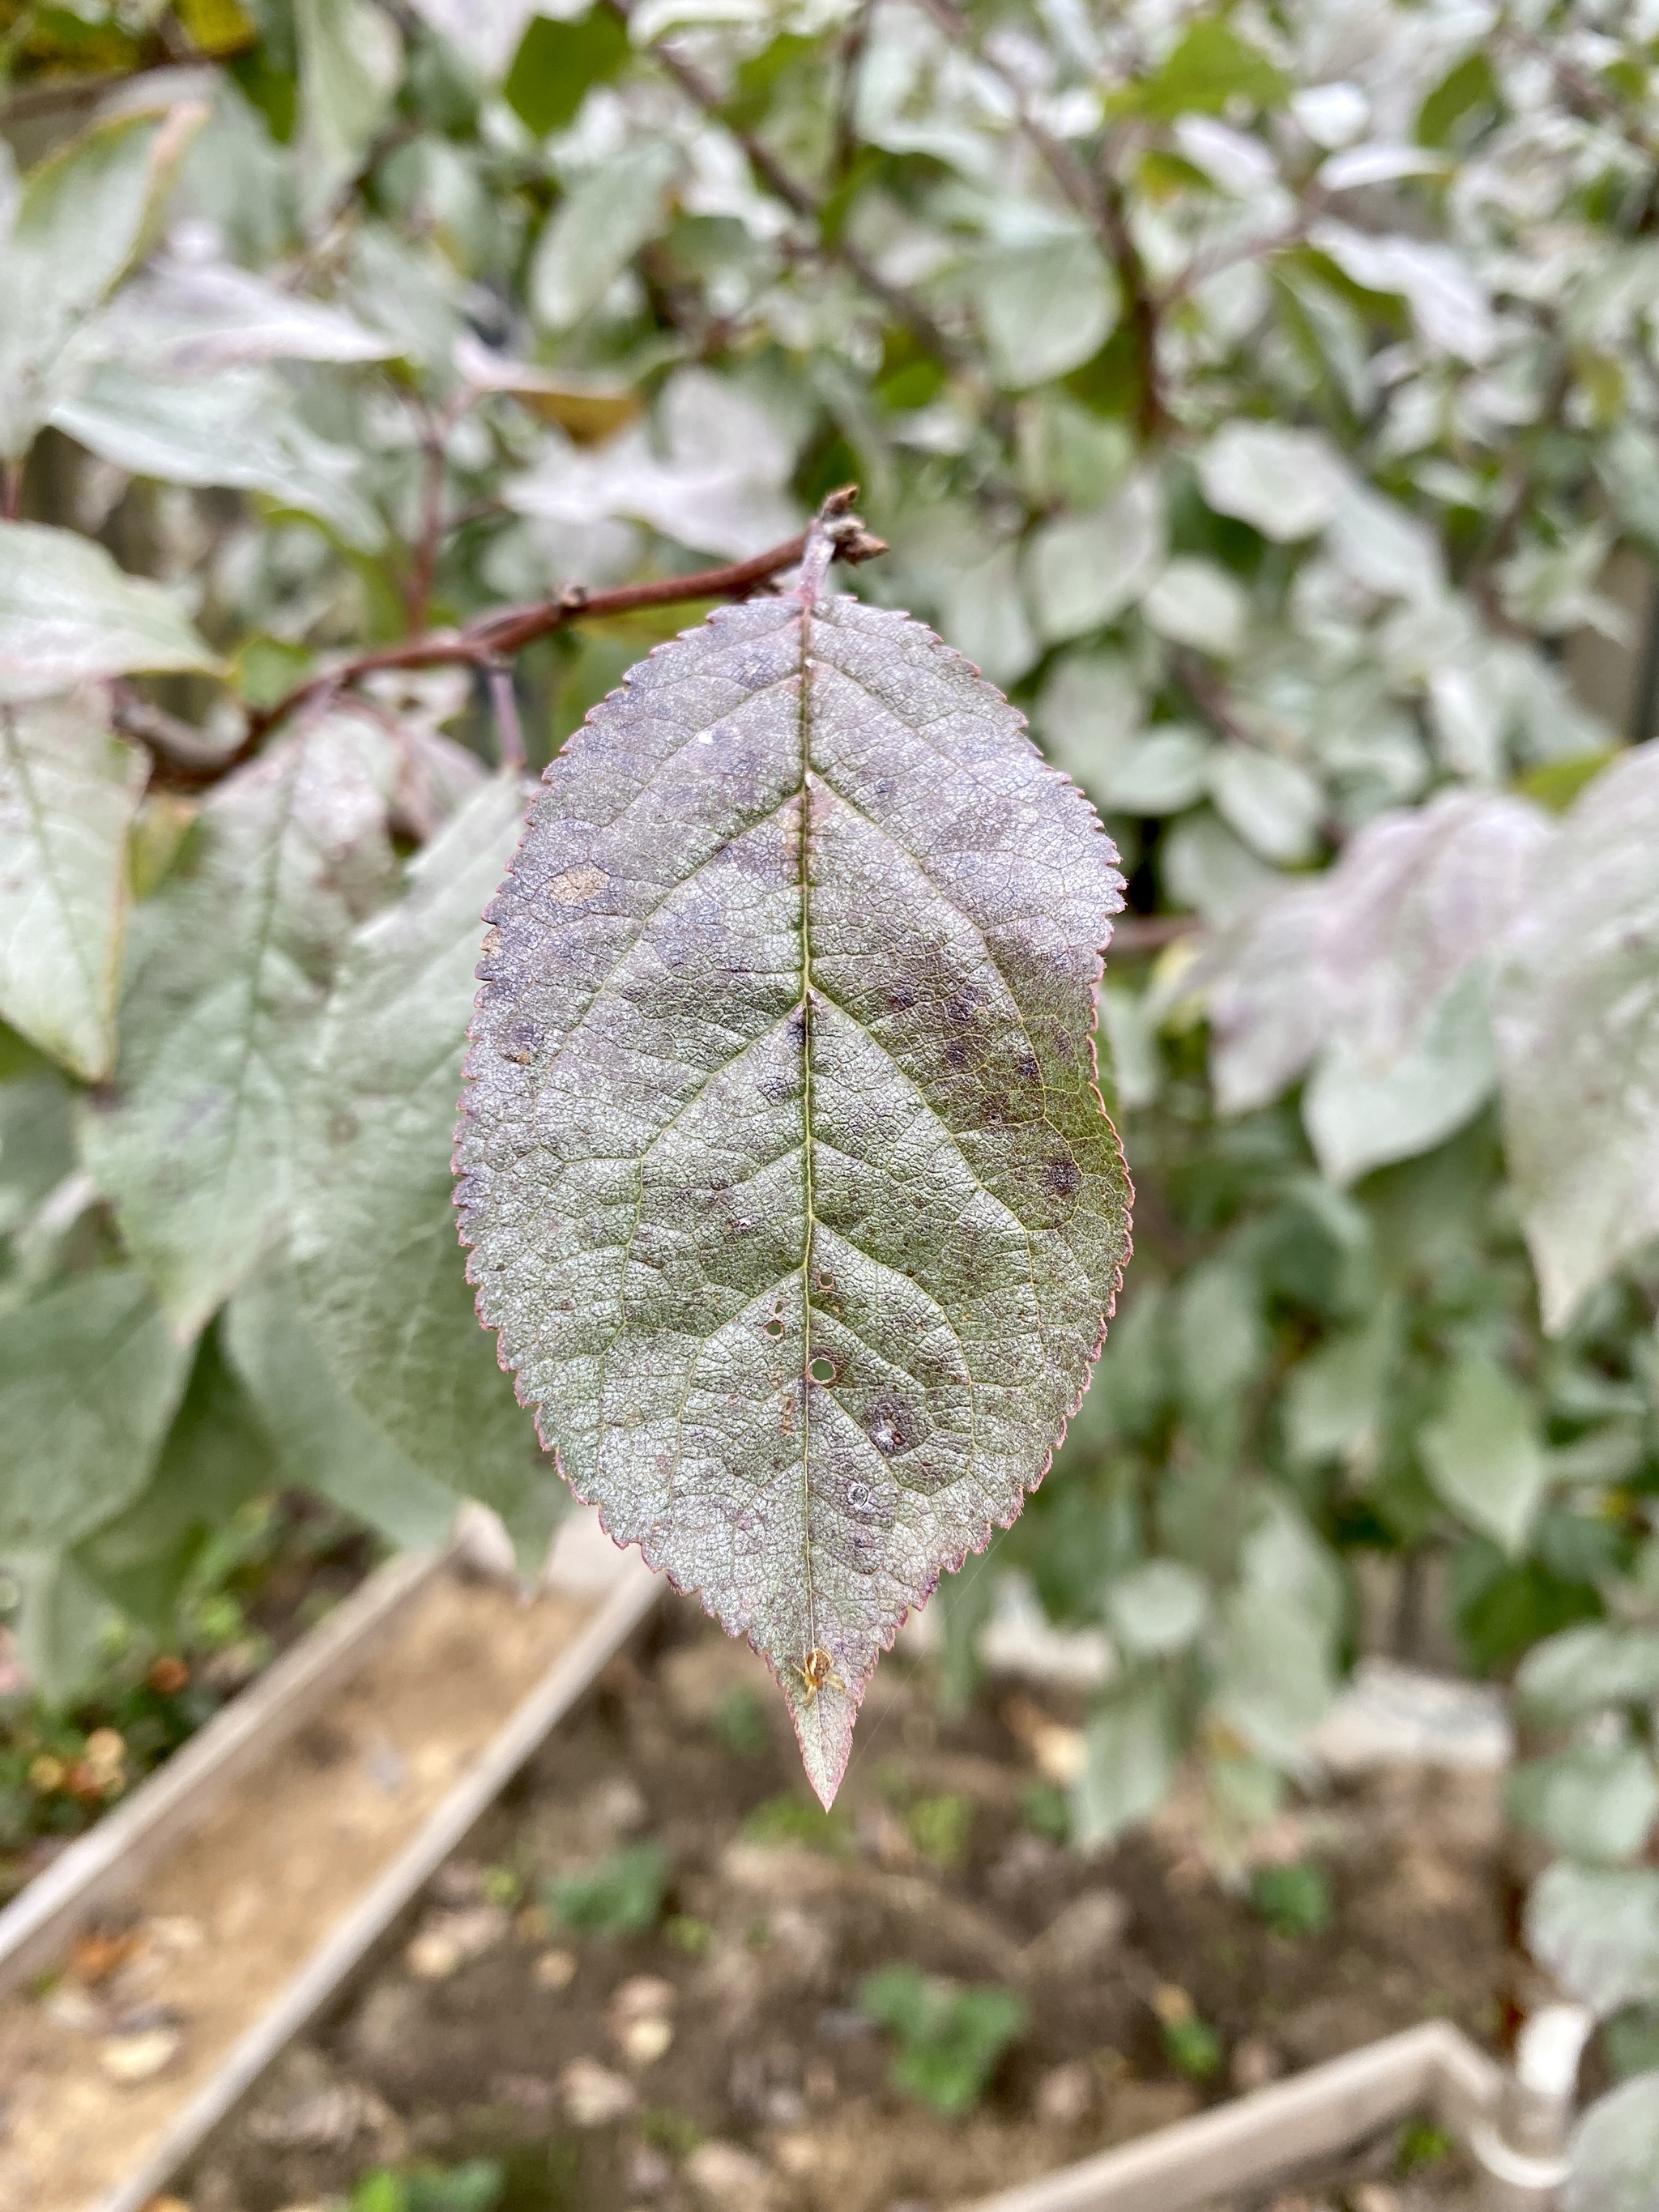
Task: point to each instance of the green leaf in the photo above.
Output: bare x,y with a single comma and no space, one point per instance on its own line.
1131,1753
1592,1802
1576,1015
1274,805
1211,67
1585,1670
1596,1928
597,229
89,1379
381,1270
1483,1452
320,1439
1081,570
350,59
1157,1608
1284,482
237,428
67,613
950,2039
1274,1651
62,1625
84,217
557,64
622,1895
1334,1401
231,960
186,319
789,1188
69,790
215,1458
1614,2151
1363,1112
1045,305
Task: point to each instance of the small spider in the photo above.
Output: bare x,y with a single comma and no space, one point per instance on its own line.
818,1672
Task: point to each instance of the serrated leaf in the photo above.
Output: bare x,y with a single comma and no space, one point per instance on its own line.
1614,2151
68,789
82,220
231,960
790,1191
320,1439
238,428
1596,1928
1483,1452
1576,1016
89,1377
67,614
381,1273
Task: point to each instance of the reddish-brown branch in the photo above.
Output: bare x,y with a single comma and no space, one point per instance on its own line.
490,641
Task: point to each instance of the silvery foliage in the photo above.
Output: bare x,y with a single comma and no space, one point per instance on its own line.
1260,394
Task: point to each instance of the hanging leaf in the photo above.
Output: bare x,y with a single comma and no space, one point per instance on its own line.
69,790
380,1272
350,57
1047,303
596,232
1483,1452
67,614
89,1377
231,960
790,1190
82,220
1576,1015
1596,1928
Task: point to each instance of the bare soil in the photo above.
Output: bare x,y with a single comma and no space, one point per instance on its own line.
490,2029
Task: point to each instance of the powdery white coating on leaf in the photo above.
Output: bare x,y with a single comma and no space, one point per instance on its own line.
789,1186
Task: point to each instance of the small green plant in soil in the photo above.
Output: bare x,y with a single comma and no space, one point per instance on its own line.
1293,1901
688,1934
621,1895
476,2186
951,2039
1046,1810
1422,2145
1190,2044
939,1828
793,1819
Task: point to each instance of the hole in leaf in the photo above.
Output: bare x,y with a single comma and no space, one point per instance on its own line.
774,1327
823,1369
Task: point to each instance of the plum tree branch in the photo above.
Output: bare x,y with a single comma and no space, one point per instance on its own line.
489,642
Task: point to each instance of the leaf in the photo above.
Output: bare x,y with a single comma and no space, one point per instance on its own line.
1287,483
1448,306
1268,1017
1614,2151
381,1273
1161,772
231,960
1334,1401
215,1458
951,2039
82,220
238,428
89,1377
1596,1930
67,613
597,229
558,63
488,32
984,615
1274,805
1583,1670
1576,1016
1083,569
587,408
1483,1453
185,319
1591,1801
69,790
321,1440
1197,603
62,1626
1158,1608
789,1188
1046,305
1363,1111
351,59
1211,67
1131,1753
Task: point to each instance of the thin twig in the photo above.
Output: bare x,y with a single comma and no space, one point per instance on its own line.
843,137
489,642
1136,934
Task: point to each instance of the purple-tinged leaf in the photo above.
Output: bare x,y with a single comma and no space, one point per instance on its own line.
789,1186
